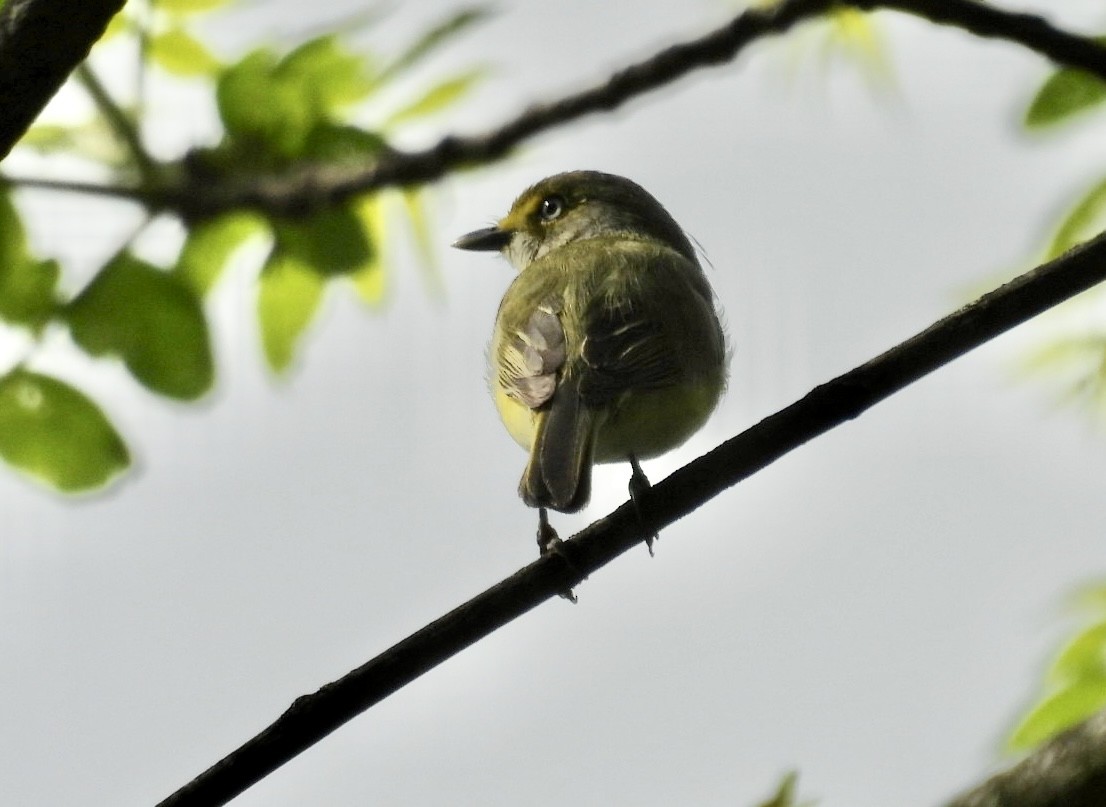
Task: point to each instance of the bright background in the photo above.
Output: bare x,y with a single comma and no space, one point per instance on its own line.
874,609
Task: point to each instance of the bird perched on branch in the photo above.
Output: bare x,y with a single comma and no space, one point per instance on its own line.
607,346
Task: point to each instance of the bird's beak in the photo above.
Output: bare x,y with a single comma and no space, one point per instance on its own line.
490,239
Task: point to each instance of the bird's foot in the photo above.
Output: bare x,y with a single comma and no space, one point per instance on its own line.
549,543
639,483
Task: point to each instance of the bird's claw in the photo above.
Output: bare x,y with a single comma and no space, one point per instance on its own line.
549,543
639,483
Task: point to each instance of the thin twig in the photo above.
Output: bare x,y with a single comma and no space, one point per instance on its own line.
119,121
314,716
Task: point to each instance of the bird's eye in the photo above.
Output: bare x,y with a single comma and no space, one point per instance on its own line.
551,207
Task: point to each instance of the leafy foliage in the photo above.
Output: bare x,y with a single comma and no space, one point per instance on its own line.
785,794
53,432
152,321
27,285
1076,351
1075,684
1064,95
295,110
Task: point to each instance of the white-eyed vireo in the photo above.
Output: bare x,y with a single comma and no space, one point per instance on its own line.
607,345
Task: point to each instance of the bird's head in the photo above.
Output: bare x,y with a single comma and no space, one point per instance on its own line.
575,206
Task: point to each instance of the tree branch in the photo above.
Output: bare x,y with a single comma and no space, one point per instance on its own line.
125,129
41,41
314,716
1067,771
315,186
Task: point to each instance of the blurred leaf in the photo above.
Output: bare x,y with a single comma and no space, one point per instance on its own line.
256,108
785,795
1083,657
328,75
434,38
27,285
190,6
27,292
853,34
438,97
150,319
179,53
210,245
92,139
423,234
331,242
279,103
47,137
1092,596
288,299
1060,710
54,432
337,143
116,25
1086,219
1078,354
1064,94
370,280
13,238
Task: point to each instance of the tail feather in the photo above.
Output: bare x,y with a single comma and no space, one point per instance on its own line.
558,475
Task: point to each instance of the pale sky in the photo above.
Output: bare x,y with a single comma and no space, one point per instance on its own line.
872,610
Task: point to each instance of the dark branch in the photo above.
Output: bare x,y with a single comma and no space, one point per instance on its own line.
1067,771
317,186
41,41
312,717
290,194
984,20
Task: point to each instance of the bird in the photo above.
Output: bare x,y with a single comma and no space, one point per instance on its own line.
608,344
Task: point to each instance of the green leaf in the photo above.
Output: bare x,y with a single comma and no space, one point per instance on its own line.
189,6
434,38
53,432
1059,711
256,108
370,280
116,25
1083,657
288,299
210,245
438,97
152,321
424,236
328,75
1065,93
337,143
280,103
27,286
180,53
330,242
93,139
1086,219
47,138
27,292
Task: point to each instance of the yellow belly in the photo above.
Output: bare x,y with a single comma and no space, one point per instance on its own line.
645,424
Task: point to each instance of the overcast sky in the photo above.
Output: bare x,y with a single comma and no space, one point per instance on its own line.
872,610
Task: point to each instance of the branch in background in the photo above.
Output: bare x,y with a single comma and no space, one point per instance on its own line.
41,41
294,193
319,186
314,716
1067,771
988,21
